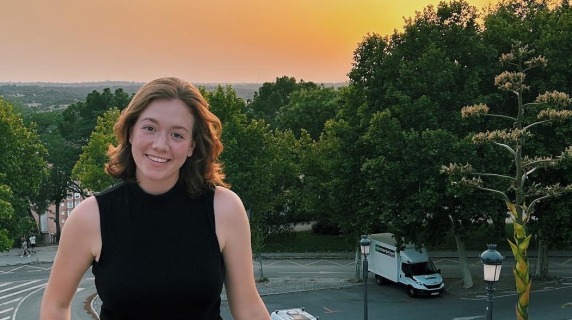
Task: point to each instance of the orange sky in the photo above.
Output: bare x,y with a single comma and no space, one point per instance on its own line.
221,41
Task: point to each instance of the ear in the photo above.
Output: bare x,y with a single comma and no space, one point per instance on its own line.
191,148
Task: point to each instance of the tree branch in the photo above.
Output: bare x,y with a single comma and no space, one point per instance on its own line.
530,172
499,116
535,201
533,163
536,123
524,178
486,174
495,191
506,146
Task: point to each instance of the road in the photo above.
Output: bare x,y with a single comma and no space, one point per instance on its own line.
391,303
21,289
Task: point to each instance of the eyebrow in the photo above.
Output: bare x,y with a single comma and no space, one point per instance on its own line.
173,127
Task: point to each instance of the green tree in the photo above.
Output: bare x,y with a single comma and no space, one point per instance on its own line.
79,119
523,192
89,169
22,171
46,124
308,109
404,89
65,146
261,165
554,43
6,213
273,95
546,27
336,171
250,175
61,158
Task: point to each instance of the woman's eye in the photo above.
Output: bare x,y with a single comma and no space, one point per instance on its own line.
178,135
148,128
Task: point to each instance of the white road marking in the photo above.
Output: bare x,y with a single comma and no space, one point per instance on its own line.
20,285
483,297
11,301
6,310
312,272
21,291
26,297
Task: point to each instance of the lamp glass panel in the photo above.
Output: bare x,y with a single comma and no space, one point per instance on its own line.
497,272
492,272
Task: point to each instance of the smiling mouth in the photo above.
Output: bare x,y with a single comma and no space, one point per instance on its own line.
157,159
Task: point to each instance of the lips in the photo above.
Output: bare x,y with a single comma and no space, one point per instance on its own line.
157,159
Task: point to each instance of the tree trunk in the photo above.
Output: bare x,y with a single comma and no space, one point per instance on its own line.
541,271
465,271
57,220
358,264
37,223
259,258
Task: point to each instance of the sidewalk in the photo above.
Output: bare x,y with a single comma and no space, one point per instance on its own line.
42,255
46,254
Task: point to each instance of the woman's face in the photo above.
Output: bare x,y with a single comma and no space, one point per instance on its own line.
161,140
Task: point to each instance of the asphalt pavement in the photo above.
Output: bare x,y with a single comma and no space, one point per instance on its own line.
286,285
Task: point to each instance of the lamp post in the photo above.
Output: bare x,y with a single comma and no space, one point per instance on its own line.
364,243
492,264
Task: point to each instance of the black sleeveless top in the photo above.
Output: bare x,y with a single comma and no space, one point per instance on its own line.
160,257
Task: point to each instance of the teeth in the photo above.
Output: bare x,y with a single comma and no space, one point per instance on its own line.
157,159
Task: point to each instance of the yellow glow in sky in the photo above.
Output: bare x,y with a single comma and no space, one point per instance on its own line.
217,41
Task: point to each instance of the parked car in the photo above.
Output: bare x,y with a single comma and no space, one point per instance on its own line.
292,314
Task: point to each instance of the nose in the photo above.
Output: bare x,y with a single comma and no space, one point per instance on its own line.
160,142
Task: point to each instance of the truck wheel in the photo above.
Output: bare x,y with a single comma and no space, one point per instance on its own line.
379,280
411,292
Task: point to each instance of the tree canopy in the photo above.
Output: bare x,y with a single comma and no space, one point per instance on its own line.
22,169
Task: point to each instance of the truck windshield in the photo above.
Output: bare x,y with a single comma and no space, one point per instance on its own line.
424,268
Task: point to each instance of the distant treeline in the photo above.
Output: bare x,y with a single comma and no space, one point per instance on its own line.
47,96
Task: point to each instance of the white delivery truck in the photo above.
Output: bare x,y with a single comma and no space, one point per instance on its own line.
410,267
292,314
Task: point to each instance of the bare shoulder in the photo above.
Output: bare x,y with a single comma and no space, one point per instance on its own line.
82,228
86,212
227,202
230,218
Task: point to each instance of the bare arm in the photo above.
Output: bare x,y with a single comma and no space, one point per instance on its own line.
79,245
233,231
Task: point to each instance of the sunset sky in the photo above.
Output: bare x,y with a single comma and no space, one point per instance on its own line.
203,41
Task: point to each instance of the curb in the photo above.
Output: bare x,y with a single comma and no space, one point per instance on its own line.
448,254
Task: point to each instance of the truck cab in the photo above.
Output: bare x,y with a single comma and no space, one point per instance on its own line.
421,278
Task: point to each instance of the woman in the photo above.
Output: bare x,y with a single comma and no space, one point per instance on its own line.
162,242
24,245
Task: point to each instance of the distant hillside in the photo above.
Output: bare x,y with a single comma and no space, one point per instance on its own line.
43,96
47,96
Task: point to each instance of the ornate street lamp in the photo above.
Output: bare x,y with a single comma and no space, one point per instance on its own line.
492,264
364,243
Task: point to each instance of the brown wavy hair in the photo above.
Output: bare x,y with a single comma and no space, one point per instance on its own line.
203,169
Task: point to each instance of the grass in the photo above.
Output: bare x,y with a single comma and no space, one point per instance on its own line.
478,240
307,241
